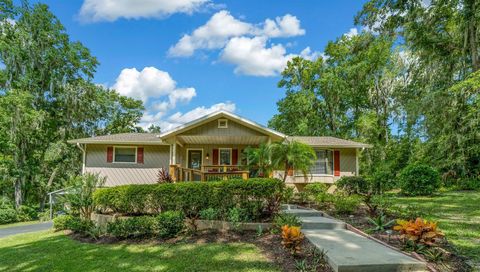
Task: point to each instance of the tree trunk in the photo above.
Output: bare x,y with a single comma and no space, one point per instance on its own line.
49,184
18,193
286,172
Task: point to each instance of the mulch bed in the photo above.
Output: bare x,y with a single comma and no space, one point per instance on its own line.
269,244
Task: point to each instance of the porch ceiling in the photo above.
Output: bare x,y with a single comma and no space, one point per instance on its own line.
234,140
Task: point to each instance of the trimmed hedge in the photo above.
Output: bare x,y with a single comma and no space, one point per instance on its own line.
258,196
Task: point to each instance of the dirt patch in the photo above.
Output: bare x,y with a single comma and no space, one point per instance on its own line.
310,258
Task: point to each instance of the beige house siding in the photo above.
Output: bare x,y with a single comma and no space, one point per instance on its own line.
348,167
212,129
155,157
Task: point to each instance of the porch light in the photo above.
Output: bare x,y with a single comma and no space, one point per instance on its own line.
208,156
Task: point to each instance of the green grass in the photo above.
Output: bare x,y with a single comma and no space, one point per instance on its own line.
458,216
49,251
18,224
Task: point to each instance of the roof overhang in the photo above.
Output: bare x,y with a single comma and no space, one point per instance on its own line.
89,141
223,114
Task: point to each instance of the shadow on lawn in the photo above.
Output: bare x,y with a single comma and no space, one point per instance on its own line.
60,253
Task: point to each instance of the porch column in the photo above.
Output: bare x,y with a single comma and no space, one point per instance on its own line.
357,167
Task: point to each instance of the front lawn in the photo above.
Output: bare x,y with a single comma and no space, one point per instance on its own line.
49,251
458,216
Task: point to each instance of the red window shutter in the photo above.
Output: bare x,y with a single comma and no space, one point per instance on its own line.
336,163
110,154
140,155
290,171
215,157
234,156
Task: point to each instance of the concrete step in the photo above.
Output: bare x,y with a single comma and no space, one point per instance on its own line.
347,251
303,212
321,223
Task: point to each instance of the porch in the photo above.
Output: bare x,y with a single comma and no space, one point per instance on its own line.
209,172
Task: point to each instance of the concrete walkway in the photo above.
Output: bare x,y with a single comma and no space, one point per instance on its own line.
347,251
25,228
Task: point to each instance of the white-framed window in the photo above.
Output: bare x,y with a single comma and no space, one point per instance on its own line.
324,163
225,156
222,123
124,154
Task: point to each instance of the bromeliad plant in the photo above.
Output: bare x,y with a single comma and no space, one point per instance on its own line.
292,238
380,222
419,231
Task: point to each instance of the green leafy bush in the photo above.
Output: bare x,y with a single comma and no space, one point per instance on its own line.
283,219
63,222
314,189
209,214
418,179
27,213
79,225
139,226
8,215
469,184
170,223
345,204
257,196
353,185
80,197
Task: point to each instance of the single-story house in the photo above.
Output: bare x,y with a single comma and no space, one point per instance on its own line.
208,148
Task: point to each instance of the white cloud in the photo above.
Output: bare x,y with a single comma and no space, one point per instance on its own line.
222,26
213,35
145,84
111,10
286,26
352,32
251,56
179,118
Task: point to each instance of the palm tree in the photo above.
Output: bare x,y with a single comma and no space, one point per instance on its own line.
292,154
259,158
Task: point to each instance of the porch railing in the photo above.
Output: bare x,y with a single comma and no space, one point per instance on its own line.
209,173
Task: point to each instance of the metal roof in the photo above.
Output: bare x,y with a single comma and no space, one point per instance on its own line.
122,138
327,141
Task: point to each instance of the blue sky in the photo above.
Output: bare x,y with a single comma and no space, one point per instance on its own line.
187,57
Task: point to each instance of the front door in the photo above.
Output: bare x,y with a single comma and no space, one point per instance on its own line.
195,159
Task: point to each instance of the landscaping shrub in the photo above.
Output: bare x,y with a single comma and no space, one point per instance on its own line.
170,223
469,184
316,188
419,231
418,179
8,215
283,219
62,222
209,214
345,204
353,185
79,225
27,213
139,226
193,197
292,238
80,197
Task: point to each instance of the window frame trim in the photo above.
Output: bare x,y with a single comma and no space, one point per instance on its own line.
223,120
123,146
298,174
220,155
187,156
